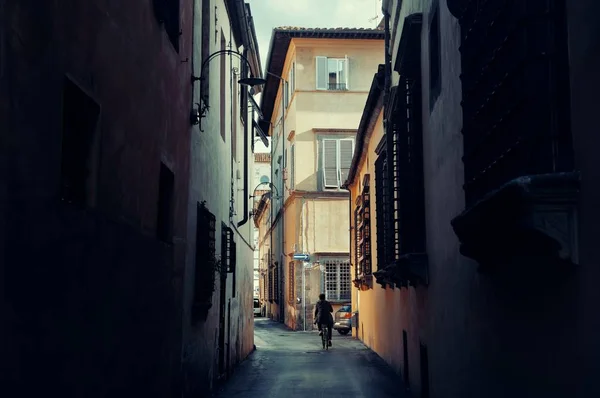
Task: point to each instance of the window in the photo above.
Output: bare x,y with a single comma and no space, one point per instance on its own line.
409,206
228,254
286,93
383,210
80,119
434,54
223,113
337,279
332,73
292,282
292,166
164,215
167,13
362,231
336,158
515,93
204,278
276,283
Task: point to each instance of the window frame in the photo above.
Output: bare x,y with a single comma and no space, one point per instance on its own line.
338,262
323,186
326,86
203,269
291,281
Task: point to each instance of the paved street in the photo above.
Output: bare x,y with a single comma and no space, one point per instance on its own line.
292,364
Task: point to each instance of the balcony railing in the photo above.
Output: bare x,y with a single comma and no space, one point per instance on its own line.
337,86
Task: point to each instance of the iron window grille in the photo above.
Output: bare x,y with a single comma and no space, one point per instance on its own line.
515,92
337,279
205,262
291,282
271,295
383,212
364,230
401,238
276,283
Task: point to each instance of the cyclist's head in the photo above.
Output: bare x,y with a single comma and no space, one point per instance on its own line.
321,296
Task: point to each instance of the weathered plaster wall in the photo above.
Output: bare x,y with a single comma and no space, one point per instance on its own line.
490,336
215,177
92,299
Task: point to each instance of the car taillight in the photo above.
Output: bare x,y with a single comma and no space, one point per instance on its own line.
348,315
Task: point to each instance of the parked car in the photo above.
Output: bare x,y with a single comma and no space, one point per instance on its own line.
342,321
257,309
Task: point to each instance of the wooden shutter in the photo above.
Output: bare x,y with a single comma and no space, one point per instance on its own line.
330,164
321,73
346,153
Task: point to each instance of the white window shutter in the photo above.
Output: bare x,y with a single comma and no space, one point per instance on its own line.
330,163
321,72
346,153
347,72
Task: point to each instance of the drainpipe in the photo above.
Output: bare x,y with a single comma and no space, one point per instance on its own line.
282,258
350,229
246,193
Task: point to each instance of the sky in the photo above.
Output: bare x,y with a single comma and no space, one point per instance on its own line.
268,14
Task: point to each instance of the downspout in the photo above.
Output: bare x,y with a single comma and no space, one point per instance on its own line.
246,193
350,229
282,258
231,124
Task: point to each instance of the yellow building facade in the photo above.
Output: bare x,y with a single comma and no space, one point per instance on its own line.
318,80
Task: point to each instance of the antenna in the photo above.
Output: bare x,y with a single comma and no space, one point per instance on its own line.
376,17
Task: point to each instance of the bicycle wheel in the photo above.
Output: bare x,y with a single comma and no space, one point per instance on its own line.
324,337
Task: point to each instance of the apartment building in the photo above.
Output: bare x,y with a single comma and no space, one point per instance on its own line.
317,83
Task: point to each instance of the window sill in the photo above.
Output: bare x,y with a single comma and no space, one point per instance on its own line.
411,269
530,222
340,301
363,282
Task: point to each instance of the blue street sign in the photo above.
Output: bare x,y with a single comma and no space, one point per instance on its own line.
301,256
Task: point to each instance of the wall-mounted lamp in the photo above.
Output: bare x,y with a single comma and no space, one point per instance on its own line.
251,81
195,115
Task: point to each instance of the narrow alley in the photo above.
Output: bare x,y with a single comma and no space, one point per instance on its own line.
293,364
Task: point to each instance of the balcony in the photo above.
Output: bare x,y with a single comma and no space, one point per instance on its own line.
337,87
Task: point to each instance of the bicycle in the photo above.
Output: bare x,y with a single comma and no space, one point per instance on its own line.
324,336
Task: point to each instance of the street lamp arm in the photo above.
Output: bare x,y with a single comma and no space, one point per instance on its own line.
203,106
215,55
270,184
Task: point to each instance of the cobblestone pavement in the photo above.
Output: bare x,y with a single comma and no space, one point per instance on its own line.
290,364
